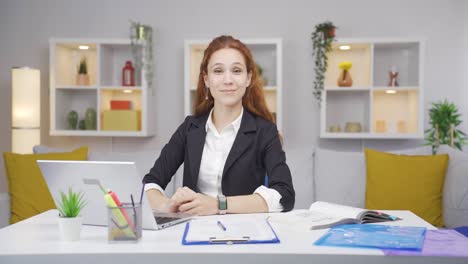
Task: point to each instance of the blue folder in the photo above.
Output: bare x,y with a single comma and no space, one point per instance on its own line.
239,238
374,236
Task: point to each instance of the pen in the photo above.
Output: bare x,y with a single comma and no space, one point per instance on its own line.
221,225
134,211
133,203
141,194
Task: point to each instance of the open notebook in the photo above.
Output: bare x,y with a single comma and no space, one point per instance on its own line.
325,215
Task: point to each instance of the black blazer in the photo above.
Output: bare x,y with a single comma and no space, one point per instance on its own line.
256,152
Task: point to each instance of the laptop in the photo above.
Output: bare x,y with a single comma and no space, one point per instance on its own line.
120,177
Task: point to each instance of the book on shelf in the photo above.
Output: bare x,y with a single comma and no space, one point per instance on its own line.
120,105
326,215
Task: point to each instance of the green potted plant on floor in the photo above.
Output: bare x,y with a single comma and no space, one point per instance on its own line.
444,120
322,39
70,219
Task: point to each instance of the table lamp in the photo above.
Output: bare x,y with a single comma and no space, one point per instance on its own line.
26,106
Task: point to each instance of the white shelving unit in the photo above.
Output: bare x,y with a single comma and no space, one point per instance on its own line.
383,112
105,60
267,53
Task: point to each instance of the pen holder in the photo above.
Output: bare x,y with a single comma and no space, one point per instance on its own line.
124,223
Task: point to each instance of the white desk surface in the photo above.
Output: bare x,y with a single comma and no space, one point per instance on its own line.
37,240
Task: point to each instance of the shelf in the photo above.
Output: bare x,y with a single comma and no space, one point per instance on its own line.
108,95
67,58
369,135
271,99
113,58
359,54
265,56
404,56
88,133
382,110
396,88
77,87
395,113
347,107
122,88
106,58
347,89
73,100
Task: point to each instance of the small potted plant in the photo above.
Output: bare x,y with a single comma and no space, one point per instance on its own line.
70,219
322,38
82,78
444,120
260,74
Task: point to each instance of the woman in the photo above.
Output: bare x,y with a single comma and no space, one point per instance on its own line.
227,147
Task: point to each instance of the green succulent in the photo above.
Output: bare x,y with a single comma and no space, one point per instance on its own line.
444,117
71,203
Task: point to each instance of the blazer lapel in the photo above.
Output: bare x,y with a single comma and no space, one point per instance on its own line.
195,144
243,140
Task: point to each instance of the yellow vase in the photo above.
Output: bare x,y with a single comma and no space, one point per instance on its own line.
345,80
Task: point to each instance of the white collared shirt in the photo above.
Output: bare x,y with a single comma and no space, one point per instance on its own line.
215,153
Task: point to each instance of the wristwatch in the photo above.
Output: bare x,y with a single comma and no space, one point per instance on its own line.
222,204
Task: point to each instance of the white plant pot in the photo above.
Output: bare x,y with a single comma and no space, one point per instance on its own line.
70,228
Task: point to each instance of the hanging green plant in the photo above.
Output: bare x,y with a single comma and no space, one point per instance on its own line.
444,120
141,36
322,38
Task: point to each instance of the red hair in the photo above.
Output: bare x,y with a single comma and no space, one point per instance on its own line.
254,98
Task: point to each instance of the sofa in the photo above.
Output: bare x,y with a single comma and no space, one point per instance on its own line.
318,175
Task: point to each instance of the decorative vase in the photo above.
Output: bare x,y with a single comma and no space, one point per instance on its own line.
70,227
81,124
72,119
353,127
380,126
334,129
345,80
82,79
402,126
393,79
90,119
128,74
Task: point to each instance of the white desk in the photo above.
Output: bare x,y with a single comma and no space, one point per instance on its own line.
36,240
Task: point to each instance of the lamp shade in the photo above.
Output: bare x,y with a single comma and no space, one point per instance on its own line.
26,106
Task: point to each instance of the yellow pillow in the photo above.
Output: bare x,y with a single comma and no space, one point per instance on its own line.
401,182
29,194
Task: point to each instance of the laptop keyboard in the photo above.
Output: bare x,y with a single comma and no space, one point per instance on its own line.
162,219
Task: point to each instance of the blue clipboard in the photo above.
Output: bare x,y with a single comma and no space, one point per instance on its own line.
229,240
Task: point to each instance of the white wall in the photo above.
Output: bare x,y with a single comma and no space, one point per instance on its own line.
464,87
26,26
